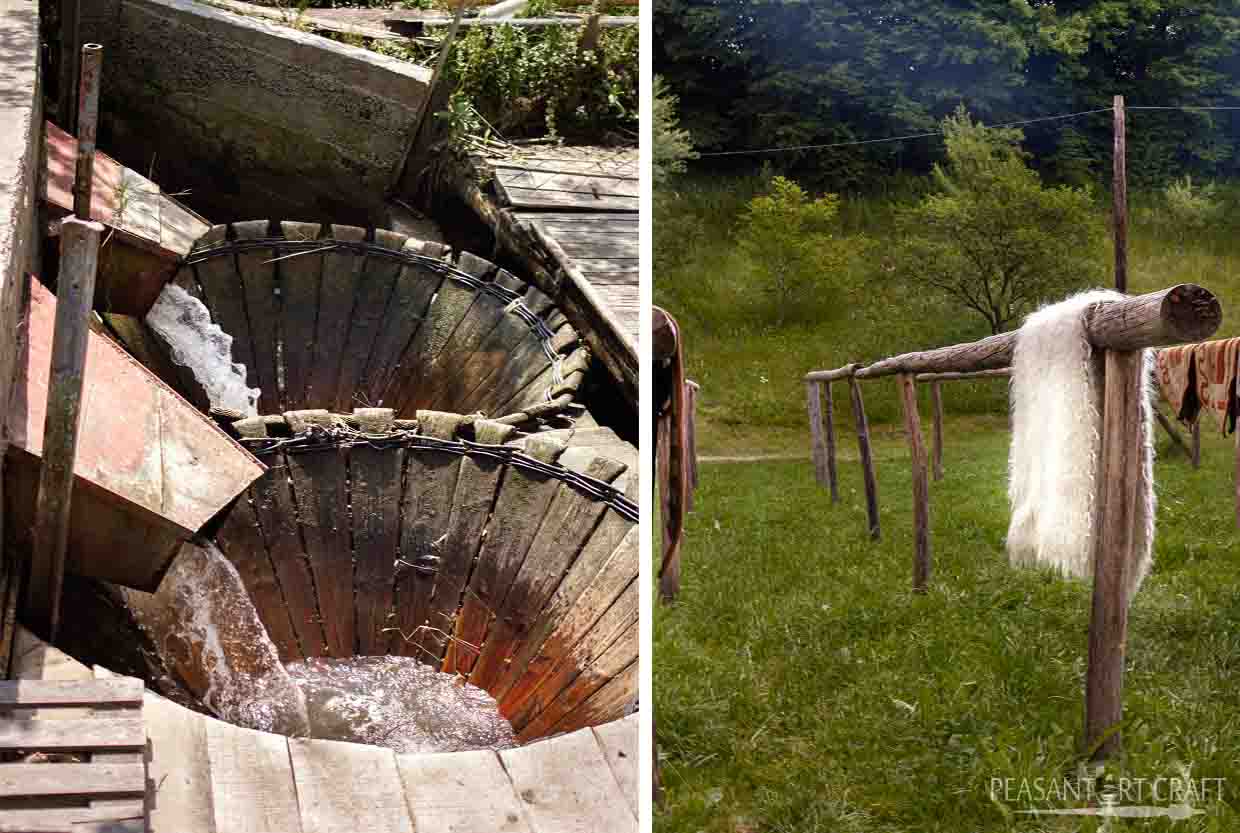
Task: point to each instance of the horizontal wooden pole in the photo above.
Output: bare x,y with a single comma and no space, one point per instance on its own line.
831,375
1000,373
606,22
1181,314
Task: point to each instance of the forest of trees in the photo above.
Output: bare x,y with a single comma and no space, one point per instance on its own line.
759,73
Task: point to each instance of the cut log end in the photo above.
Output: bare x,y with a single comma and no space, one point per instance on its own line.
1192,311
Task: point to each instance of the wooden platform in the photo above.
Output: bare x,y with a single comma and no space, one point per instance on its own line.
570,215
148,230
207,776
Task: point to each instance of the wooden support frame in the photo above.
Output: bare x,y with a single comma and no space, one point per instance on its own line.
921,485
867,457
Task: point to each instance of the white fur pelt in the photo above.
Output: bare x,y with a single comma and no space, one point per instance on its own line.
1056,390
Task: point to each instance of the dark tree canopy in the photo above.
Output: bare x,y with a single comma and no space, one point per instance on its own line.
758,73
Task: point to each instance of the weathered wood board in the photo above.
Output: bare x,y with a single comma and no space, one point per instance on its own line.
348,787
462,792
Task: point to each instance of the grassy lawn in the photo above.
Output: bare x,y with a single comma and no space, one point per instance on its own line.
801,686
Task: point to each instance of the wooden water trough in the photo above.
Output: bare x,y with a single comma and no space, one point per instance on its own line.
150,469
1121,329
339,317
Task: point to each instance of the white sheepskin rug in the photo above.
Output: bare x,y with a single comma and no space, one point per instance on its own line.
1056,395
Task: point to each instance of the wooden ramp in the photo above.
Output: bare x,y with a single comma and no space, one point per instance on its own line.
150,468
148,231
570,214
207,776
81,740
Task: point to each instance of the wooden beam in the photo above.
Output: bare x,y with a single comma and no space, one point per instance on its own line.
87,127
867,460
79,258
936,400
85,735
63,780
832,475
818,443
1171,432
1182,313
119,691
831,375
1115,527
999,373
1119,194
921,486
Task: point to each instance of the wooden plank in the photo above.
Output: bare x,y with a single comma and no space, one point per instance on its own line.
526,361
429,487
519,509
258,277
593,265
833,480
1119,478
471,507
613,547
921,487
568,524
252,787
619,742
342,270
277,514
818,443
69,821
79,258
139,204
240,539
348,787
300,278
71,780
446,311
612,701
540,198
34,659
370,307
601,652
178,226
73,735
867,459
412,293
376,480
119,807
179,769
567,786
319,488
122,691
462,792
590,184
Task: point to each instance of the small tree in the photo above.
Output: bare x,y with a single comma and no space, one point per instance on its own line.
1191,209
786,235
672,146
994,238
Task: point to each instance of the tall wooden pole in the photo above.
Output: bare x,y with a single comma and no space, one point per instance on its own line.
833,480
921,484
818,444
67,106
867,459
75,291
1119,190
1115,535
87,128
936,403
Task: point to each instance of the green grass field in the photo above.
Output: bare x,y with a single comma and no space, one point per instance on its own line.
801,686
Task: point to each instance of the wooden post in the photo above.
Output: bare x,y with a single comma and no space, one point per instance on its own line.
75,291
936,400
1172,433
818,445
420,137
1119,192
833,480
1115,529
87,128
921,485
867,461
67,106
1197,442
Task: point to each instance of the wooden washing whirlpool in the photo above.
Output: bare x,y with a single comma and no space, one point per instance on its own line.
470,542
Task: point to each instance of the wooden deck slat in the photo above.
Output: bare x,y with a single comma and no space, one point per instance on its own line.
252,785
348,788
539,198
461,792
127,807
619,742
122,691
64,821
71,780
567,786
73,735
179,769
587,184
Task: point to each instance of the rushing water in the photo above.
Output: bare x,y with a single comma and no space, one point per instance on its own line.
399,703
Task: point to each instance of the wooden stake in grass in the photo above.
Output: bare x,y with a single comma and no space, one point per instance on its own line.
936,401
867,461
921,485
833,480
818,444
75,291
1119,477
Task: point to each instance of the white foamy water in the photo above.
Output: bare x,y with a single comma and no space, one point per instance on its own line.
199,344
399,703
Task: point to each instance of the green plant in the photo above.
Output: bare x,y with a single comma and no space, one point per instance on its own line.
1190,208
672,145
994,239
786,235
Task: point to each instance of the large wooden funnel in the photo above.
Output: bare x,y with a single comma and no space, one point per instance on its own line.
150,470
